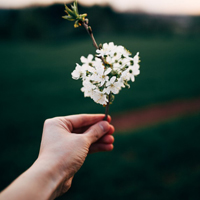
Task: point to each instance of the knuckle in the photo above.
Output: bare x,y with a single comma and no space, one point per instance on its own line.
47,122
68,125
66,186
96,133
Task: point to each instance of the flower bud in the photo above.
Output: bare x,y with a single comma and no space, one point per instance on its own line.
100,46
73,15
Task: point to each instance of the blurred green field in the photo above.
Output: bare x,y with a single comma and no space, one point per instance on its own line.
157,163
36,84
39,75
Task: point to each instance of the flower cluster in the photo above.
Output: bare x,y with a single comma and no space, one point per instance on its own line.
105,74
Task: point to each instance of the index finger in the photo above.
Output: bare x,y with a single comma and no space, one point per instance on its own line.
82,120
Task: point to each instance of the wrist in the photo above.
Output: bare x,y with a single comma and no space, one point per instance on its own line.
50,175
41,181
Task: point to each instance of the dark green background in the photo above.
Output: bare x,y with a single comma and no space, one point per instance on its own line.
38,52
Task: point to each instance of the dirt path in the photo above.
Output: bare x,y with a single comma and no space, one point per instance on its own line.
155,114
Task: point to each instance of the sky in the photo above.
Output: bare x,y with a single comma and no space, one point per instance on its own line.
175,7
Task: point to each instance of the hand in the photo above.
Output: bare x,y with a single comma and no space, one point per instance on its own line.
66,141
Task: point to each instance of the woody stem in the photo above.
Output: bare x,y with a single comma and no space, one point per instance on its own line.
107,109
89,30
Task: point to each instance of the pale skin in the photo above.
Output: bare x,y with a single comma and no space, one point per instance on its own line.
66,142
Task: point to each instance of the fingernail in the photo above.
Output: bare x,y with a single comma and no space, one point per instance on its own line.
103,126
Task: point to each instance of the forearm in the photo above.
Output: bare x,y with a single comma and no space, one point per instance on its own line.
40,181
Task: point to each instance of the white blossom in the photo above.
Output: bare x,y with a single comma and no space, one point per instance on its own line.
107,49
78,72
130,74
88,88
101,74
107,72
88,60
113,86
99,97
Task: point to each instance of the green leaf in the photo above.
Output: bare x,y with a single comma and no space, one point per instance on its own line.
83,15
70,12
75,8
68,17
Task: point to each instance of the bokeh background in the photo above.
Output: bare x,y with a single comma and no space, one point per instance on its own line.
38,52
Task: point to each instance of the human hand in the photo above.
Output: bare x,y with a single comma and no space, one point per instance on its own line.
66,141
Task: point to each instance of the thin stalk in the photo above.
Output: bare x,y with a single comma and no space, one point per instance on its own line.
89,30
107,109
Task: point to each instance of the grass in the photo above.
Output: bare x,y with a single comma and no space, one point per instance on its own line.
157,163
40,74
36,84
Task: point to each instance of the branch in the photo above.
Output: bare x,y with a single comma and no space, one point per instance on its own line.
89,30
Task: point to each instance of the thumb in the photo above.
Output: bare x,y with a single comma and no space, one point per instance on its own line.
96,131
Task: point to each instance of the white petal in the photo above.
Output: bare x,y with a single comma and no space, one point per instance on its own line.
115,91
103,81
136,72
90,57
107,71
91,69
105,91
105,46
75,74
98,51
132,78
109,59
100,70
112,80
83,59
120,48
98,60
136,58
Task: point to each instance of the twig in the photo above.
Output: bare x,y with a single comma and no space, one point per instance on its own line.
89,30
107,109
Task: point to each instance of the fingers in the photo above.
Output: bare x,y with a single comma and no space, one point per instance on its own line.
85,128
103,144
106,139
78,121
100,147
95,132
112,130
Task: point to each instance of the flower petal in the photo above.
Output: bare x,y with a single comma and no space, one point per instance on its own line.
90,57
107,71
112,80
83,59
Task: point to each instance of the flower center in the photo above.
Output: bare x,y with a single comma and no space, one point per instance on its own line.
131,62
